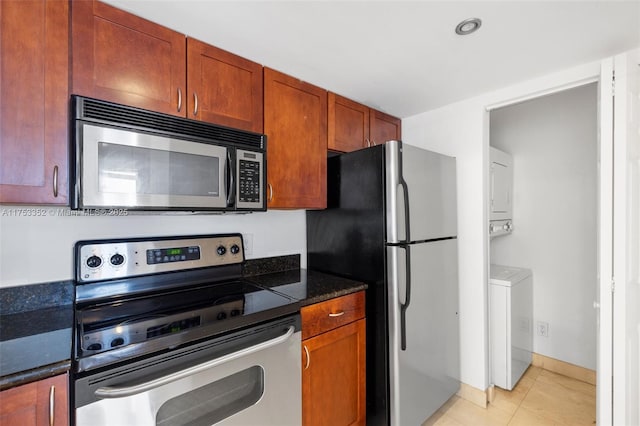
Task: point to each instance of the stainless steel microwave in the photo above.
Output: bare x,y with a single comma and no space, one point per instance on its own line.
125,157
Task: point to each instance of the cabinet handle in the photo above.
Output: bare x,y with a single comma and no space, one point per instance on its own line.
195,103
373,142
368,143
337,314
270,192
52,405
55,181
306,351
179,99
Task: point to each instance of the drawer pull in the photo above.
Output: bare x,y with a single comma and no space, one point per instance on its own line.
306,351
55,181
52,405
337,314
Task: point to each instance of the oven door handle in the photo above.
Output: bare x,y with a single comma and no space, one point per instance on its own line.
120,392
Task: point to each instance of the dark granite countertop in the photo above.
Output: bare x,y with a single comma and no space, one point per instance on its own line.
308,286
283,274
35,332
36,320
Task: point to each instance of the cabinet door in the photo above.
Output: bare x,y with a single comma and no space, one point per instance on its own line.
384,127
501,184
500,188
295,122
333,377
122,58
228,88
34,69
348,124
45,402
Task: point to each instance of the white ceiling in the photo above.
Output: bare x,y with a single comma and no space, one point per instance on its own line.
404,57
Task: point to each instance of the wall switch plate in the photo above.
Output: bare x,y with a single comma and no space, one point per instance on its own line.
542,328
247,240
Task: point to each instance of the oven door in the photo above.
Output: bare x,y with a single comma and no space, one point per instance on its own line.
248,378
125,168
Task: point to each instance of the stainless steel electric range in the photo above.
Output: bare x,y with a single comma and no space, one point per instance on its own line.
168,333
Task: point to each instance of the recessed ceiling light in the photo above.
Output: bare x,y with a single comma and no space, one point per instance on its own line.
468,26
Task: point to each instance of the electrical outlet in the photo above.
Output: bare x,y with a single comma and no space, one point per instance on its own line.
543,328
247,240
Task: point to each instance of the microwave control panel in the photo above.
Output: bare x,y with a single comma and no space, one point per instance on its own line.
250,187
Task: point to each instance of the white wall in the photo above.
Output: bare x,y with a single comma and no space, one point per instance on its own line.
462,129
553,141
35,249
440,131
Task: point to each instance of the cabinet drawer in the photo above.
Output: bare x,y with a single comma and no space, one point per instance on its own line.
327,315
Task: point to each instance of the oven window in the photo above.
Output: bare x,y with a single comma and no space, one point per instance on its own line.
136,170
214,402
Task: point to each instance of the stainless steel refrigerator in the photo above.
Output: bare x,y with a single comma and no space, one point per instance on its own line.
391,222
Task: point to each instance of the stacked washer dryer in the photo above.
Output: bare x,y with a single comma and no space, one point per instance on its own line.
510,323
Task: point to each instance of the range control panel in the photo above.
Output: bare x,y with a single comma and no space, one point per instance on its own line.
109,259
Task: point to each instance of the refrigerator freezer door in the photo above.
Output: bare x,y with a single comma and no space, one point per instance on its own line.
426,374
430,180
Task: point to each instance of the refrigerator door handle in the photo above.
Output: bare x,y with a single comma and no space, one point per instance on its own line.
405,194
407,298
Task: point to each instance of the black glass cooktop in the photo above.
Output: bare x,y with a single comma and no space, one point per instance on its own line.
183,315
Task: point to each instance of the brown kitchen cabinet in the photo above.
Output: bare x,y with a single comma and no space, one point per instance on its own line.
45,402
34,67
354,126
227,87
383,127
122,58
334,362
348,124
295,122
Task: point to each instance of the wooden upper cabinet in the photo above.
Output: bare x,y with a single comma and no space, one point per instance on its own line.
384,127
45,402
354,126
122,58
34,69
228,88
348,124
295,122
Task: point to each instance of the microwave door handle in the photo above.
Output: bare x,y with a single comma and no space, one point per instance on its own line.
230,180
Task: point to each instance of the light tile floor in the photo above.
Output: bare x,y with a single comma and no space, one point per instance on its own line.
540,398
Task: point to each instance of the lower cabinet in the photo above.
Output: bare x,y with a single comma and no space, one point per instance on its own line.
334,362
44,402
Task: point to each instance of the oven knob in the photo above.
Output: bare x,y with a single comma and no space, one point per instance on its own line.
222,315
235,249
235,313
94,262
94,347
118,341
117,259
221,250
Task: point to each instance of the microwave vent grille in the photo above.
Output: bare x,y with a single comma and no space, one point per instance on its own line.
116,114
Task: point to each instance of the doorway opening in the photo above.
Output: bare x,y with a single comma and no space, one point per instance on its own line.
552,217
